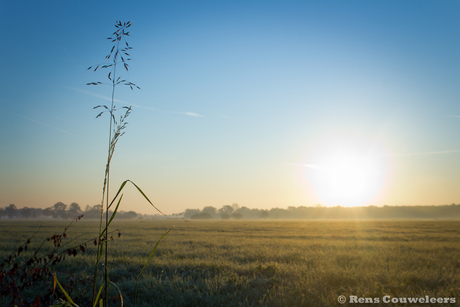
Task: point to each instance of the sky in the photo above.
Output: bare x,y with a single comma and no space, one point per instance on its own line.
260,103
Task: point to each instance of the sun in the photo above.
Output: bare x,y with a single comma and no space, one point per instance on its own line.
347,172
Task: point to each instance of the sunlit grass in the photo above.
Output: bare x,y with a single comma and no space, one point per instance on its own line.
270,263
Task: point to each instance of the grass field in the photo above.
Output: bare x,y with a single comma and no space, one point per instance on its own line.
265,263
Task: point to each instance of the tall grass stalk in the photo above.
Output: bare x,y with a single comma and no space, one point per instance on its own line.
119,55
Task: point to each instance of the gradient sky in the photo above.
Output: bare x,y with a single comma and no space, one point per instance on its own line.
240,101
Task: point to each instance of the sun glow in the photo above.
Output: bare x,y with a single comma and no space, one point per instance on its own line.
347,172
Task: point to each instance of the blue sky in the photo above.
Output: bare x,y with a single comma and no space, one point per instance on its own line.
236,98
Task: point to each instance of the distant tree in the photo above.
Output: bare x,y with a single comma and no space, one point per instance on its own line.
93,212
201,216
189,212
279,213
36,213
11,211
74,210
59,206
127,215
225,209
131,214
210,210
235,206
74,206
47,212
96,208
225,216
264,214
244,211
59,210
237,216
26,212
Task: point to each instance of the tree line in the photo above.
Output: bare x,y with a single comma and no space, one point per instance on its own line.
59,211
319,212
234,211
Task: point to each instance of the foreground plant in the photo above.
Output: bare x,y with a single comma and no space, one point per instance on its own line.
16,276
28,268
119,56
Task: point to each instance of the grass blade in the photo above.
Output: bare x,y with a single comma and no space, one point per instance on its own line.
147,262
101,251
119,190
151,254
140,191
97,297
69,299
113,216
145,196
121,296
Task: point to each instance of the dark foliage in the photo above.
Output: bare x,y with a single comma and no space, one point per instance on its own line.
19,274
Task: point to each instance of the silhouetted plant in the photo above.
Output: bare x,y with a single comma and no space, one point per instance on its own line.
119,56
17,276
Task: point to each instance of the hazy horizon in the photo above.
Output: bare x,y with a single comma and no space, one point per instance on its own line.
263,104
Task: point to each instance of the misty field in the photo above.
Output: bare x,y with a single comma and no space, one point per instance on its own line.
261,263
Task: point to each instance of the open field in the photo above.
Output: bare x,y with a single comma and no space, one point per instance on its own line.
265,263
